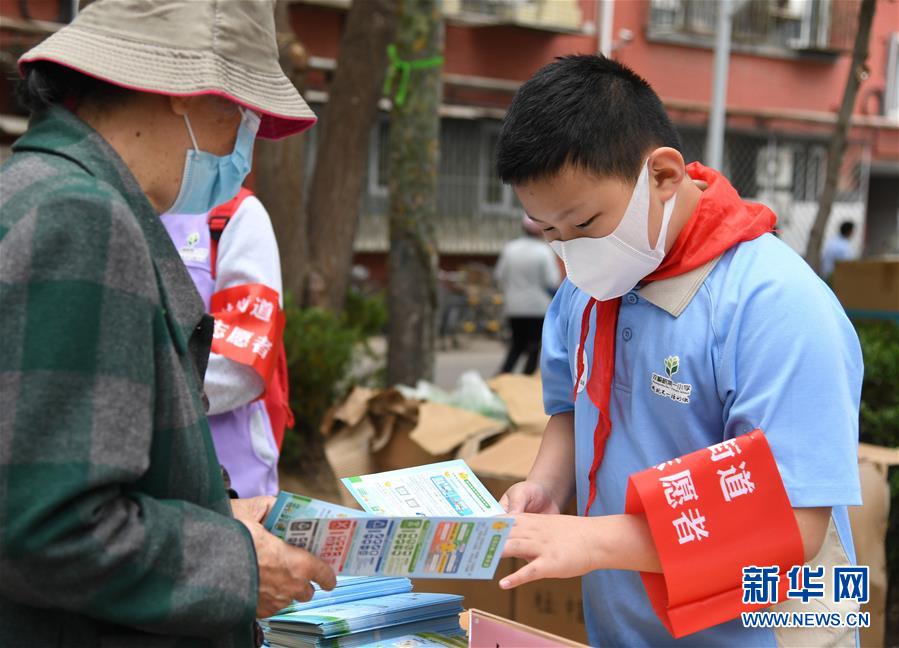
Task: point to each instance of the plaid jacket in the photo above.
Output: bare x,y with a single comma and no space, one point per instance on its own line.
115,528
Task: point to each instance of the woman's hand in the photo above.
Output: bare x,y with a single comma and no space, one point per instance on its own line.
253,509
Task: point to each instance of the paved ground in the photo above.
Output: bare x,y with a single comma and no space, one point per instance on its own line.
483,355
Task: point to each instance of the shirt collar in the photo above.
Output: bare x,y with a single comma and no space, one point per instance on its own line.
58,131
673,295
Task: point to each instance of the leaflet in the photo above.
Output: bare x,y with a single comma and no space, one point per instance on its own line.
289,506
436,547
447,489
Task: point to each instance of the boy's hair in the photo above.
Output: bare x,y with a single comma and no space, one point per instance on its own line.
846,228
587,111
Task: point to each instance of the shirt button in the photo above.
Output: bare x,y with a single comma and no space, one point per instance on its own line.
627,334
631,298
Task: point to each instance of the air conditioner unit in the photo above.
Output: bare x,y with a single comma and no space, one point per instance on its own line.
795,9
814,21
774,168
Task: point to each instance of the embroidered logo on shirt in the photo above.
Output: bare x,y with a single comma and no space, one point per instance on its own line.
191,252
667,387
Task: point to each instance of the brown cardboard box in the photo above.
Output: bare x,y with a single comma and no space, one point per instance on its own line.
506,461
483,595
869,527
523,397
376,431
384,431
553,605
869,285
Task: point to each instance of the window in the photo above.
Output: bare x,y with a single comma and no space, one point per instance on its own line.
809,171
891,91
379,157
759,25
495,195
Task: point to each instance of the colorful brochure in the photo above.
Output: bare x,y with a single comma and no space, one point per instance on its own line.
289,506
411,547
432,521
447,489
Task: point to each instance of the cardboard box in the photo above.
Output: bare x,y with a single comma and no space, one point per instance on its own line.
373,431
484,595
505,462
523,397
869,528
552,605
869,285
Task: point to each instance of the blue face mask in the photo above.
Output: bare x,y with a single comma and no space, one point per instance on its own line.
210,180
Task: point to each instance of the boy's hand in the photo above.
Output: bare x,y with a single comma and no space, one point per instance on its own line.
555,546
528,497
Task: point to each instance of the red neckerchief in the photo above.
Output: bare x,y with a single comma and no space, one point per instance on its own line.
720,221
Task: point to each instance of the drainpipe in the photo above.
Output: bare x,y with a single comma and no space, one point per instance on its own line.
714,146
605,15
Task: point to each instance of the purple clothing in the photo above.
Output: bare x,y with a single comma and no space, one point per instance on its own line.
242,436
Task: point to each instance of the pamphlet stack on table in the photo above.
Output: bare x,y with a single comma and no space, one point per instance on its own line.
428,619
435,521
351,588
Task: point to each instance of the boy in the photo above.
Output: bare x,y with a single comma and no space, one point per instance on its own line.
668,278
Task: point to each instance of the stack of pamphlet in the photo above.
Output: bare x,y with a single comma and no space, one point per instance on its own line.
417,619
352,588
434,521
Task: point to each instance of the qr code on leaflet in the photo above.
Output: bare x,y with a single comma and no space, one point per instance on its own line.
301,533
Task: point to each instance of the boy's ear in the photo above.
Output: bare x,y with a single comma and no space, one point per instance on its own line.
666,171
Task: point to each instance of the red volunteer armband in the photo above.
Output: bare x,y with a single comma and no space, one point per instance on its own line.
711,513
248,326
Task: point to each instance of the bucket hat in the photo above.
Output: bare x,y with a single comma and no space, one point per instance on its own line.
184,47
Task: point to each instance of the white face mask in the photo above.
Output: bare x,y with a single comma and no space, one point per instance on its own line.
609,266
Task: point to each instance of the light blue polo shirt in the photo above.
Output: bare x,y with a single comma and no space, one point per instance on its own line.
764,344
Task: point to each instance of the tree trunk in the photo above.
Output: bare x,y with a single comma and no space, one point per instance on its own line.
841,131
414,156
334,194
280,178
280,171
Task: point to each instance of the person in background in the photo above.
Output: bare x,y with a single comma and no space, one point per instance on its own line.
117,529
838,248
528,275
232,256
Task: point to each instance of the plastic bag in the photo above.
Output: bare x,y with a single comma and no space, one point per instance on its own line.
471,393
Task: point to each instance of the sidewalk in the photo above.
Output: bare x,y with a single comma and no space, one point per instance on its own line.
481,354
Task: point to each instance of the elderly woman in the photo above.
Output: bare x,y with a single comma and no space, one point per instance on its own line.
115,523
